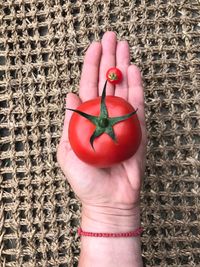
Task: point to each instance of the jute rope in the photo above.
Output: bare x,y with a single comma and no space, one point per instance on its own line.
42,45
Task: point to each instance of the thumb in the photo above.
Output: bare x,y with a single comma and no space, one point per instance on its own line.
72,101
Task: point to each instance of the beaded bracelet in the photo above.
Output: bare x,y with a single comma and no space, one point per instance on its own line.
134,233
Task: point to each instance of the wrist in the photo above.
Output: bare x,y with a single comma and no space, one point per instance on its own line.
123,251
110,219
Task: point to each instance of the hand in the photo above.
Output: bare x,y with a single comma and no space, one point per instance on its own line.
112,193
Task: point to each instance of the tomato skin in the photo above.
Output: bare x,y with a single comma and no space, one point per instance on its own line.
106,152
114,75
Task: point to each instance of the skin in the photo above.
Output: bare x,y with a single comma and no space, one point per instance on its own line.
110,197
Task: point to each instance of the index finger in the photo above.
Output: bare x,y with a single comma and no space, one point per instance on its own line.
90,72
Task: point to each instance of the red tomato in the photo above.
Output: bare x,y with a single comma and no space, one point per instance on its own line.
106,151
114,75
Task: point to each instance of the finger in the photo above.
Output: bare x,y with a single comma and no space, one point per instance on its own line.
135,91
109,42
135,165
136,98
123,61
90,72
72,101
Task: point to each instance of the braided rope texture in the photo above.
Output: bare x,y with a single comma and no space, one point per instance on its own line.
42,46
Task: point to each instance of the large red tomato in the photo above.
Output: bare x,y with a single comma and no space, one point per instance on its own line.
108,147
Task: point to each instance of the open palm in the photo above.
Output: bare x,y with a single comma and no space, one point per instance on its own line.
118,186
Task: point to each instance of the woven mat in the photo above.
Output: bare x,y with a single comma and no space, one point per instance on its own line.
42,45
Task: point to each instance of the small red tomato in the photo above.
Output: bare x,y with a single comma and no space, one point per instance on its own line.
114,76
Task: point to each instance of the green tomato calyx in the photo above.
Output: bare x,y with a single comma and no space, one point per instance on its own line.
103,123
113,76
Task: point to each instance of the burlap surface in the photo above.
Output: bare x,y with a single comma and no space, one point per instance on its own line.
42,44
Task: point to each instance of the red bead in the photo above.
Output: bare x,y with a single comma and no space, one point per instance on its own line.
137,232
79,231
